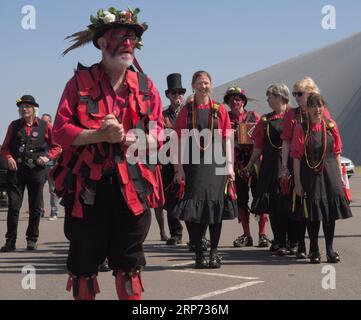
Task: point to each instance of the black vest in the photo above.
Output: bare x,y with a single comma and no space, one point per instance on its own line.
27,149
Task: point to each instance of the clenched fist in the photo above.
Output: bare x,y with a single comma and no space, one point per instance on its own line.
112,130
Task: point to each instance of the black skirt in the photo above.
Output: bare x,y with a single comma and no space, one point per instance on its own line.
269,198
204,198
325,196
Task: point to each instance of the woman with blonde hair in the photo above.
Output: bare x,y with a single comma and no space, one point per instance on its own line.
302,89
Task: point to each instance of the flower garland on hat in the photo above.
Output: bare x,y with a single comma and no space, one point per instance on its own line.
105,20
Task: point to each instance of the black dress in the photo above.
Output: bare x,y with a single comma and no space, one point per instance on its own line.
269,198
204,199
325,196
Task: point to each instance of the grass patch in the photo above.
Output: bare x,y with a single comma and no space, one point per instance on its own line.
358,170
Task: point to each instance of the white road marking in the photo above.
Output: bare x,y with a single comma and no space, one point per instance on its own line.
219,292
215,274
182,264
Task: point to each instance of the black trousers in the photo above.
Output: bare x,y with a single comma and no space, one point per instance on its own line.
175,227
33,180
108,230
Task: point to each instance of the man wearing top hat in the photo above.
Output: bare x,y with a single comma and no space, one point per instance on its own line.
28,147
175,94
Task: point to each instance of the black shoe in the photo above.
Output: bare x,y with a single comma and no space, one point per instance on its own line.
31,245
215,261
282,252
274,247
173,241
8,247
292,251
333,257
301,253
315,258
263,241
104,267
201,262
163,237
243,241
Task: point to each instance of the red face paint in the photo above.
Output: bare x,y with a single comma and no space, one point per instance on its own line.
120,40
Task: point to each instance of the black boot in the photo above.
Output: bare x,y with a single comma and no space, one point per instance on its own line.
333,257
8,246
215,260
201,262
315,257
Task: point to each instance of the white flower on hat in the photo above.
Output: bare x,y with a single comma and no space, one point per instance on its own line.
108,17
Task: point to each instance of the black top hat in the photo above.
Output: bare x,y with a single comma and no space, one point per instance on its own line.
28,99
174,82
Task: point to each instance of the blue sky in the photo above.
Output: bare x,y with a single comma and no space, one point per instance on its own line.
228,38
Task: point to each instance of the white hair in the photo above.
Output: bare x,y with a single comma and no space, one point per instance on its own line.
36,112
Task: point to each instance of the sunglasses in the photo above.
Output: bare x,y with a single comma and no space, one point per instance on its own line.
297,94
131,37
174,93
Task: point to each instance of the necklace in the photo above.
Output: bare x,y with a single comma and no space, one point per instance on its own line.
210,125
270,140
307,142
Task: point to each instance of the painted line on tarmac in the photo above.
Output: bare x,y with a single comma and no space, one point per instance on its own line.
230,289
182,264
215,274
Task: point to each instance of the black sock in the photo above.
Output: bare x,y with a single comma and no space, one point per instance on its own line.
301,233
215,234
197,234
313,230
329,232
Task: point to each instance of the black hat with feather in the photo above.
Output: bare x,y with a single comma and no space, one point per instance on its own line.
105,20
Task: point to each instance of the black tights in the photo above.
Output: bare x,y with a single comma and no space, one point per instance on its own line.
197,232
328,230
279,227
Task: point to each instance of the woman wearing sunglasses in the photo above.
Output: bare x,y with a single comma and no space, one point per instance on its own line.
302,89
204,202
316,149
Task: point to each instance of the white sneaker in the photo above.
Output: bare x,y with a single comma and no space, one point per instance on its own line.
53,218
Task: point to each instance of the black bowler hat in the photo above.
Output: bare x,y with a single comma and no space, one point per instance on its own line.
174,82
27,99
235,91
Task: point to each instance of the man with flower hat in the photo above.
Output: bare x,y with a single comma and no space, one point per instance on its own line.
106,197
243,122
28,147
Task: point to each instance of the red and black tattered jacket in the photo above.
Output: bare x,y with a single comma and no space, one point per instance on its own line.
87,99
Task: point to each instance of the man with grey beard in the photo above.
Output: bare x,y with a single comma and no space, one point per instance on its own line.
106,198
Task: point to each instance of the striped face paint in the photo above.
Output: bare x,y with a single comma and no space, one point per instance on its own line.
120,40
